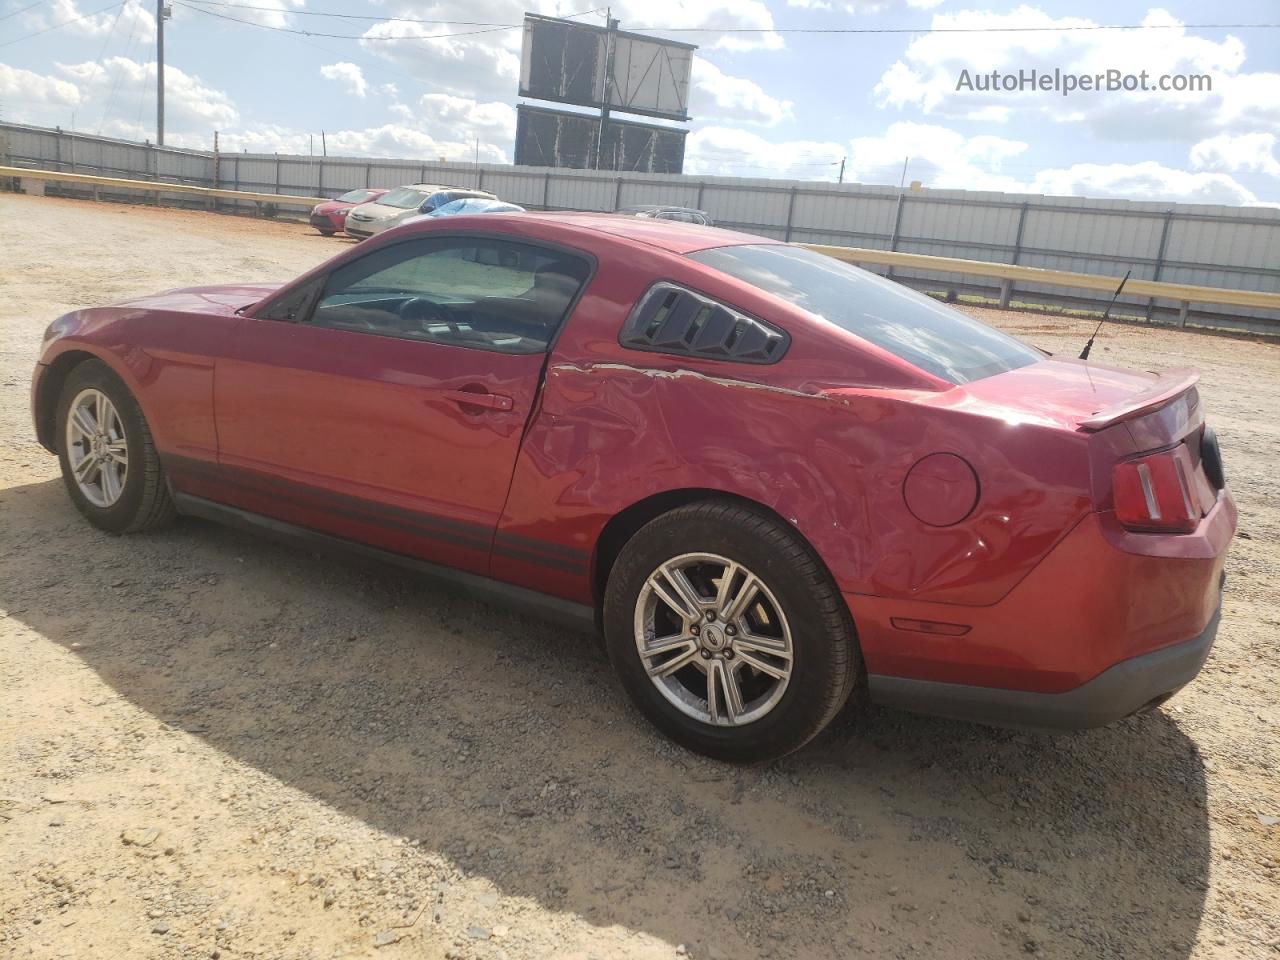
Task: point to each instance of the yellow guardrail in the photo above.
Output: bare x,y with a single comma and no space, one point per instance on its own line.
158,186
1183,293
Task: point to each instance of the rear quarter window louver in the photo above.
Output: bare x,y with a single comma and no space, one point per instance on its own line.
674,320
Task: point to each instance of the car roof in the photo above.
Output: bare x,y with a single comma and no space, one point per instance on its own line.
437,187
667,235
658,207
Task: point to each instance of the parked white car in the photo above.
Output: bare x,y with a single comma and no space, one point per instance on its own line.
659,211
393,208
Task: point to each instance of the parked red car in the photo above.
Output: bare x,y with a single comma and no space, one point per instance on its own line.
330,217
769,477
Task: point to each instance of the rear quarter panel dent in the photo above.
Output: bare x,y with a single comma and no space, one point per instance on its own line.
610,435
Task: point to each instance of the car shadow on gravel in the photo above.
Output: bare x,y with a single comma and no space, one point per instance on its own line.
504,746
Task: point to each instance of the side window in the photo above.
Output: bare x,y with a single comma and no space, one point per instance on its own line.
472,292
672,319
293,305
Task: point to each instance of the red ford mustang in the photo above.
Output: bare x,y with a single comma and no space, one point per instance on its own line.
768,477
330,217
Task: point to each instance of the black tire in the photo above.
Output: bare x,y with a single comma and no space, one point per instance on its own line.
826,660
144,502
326,233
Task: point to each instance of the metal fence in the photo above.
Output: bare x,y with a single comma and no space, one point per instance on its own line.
1211,245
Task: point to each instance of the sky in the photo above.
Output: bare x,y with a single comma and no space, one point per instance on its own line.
769,96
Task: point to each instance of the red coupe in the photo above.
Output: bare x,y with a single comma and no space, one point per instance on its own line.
769,478
330,217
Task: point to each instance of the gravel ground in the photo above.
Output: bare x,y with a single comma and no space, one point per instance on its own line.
212,745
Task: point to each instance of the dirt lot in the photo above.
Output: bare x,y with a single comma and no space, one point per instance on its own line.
215,746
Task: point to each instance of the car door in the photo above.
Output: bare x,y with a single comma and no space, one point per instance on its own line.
385,402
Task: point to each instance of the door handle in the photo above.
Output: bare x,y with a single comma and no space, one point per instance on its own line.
485,400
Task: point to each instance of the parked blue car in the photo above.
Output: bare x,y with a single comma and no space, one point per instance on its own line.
469,205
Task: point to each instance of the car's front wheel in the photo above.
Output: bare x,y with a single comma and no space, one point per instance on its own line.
109,462
728,633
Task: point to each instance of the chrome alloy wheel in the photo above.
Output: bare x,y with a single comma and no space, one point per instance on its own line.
96,447
713,639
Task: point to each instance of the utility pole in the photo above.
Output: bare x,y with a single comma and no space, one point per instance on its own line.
161,13
840,178
611,28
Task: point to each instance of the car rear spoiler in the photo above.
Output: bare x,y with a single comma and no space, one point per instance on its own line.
1167,385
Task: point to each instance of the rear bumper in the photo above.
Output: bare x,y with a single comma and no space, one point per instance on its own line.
1127,688
1101,597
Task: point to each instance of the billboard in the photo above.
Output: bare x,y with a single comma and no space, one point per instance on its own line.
558,138
578,63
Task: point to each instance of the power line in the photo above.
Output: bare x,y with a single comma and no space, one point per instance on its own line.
488,27
881,30
115,81
22,10
359,16
341,36
815,30
56,26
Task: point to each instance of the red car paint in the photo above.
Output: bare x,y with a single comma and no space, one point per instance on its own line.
331,216
1038,588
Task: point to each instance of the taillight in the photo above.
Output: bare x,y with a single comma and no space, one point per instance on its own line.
1153,493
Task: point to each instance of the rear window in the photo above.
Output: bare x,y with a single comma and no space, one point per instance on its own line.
932,336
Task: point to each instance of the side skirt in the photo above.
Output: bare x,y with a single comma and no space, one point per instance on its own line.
575,615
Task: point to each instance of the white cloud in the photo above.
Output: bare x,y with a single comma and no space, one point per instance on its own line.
720,97
650,16
464,120
935,155
268,13
927,74
132,18
875,6
189,102
943,158
347,74
485,62
31,96
739,153
470,64
116,98
393,140
1142,181
1251,152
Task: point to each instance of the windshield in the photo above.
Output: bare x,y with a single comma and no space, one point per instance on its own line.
403,197
936,338
355,196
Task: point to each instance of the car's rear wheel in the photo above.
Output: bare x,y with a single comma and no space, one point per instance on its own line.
109,462
728,633
325,233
